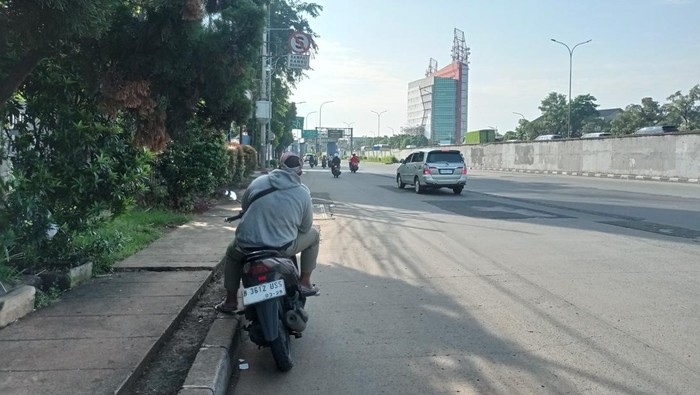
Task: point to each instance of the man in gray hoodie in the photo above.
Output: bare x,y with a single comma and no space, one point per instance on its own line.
279,220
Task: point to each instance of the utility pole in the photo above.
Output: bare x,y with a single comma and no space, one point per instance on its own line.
263,110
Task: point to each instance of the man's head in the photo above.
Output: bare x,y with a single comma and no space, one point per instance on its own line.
354,154
335,155
291,162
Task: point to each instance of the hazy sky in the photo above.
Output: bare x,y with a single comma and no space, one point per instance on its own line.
370,50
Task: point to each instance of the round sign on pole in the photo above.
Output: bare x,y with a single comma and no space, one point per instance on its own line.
299,42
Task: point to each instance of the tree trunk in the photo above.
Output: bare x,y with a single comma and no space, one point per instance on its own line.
19,73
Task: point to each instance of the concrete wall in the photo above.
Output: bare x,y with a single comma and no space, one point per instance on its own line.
671,155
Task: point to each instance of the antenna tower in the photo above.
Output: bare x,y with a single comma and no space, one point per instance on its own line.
432,67
460,51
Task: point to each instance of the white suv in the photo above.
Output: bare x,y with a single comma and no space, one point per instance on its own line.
433,169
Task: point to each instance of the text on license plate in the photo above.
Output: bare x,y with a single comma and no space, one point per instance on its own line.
448,171
261,292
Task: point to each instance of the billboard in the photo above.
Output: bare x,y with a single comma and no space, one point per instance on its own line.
335,134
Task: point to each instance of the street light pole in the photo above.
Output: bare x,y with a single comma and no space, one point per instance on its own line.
379,121
571,57
320,112
307,117
320,109
392,130
521,115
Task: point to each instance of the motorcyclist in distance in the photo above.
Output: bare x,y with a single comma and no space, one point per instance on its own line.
336,160
354,160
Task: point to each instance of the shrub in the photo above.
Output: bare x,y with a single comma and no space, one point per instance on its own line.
194,166
71,170
236,165
251,159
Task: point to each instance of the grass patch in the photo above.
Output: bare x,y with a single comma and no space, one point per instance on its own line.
387,160
130,233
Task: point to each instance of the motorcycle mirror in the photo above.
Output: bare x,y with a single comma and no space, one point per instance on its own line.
231,195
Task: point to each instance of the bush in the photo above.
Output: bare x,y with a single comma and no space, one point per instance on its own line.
71,171
194,167
387,160
237,165
251,159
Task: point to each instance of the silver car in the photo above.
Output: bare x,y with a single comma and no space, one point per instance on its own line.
433,169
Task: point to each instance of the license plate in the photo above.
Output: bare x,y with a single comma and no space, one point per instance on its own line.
262,292
449,171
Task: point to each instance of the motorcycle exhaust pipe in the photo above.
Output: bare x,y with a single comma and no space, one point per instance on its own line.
296,319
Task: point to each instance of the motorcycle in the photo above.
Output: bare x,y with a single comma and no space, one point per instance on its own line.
273,300
274,303
335,170
354,167
323,163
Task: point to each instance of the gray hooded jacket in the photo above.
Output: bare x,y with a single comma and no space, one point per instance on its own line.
275,219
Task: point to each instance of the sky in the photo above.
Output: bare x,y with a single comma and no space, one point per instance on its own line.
369,51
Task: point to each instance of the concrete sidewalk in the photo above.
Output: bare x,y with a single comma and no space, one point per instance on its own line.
99,336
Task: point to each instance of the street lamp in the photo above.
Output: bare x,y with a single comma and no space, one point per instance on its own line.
392,129
521,115
349,124
571,56
307,117
379,120
320,109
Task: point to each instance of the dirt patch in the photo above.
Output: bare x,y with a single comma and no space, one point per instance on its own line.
168,370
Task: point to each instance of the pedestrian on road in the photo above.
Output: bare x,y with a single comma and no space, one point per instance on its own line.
280,220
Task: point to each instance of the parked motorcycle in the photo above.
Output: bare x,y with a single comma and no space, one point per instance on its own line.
274,303
335,170
273,300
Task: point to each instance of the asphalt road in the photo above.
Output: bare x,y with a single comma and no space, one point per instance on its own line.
523,284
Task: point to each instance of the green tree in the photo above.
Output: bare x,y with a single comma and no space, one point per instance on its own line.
635,116
554,116
684,110
583,110
33,30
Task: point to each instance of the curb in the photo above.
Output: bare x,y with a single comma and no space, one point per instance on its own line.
213,366
16,304
597,175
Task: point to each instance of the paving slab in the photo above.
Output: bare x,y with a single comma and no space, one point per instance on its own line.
74,382
105,329
90,327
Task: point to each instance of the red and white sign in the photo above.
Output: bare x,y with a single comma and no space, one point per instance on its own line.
299,42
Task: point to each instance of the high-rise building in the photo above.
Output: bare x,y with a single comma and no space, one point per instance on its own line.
438,104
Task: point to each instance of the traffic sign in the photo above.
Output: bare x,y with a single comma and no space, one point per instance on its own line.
297,61
299,42
309,134
335,134
298,123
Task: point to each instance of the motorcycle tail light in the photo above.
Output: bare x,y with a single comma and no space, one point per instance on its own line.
257,270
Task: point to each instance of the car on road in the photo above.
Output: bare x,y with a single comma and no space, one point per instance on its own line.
660,129
433,169
595,135
543,137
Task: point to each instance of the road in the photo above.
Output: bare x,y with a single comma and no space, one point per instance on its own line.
523,284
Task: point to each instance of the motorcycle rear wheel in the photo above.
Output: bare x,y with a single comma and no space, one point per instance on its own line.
281,351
